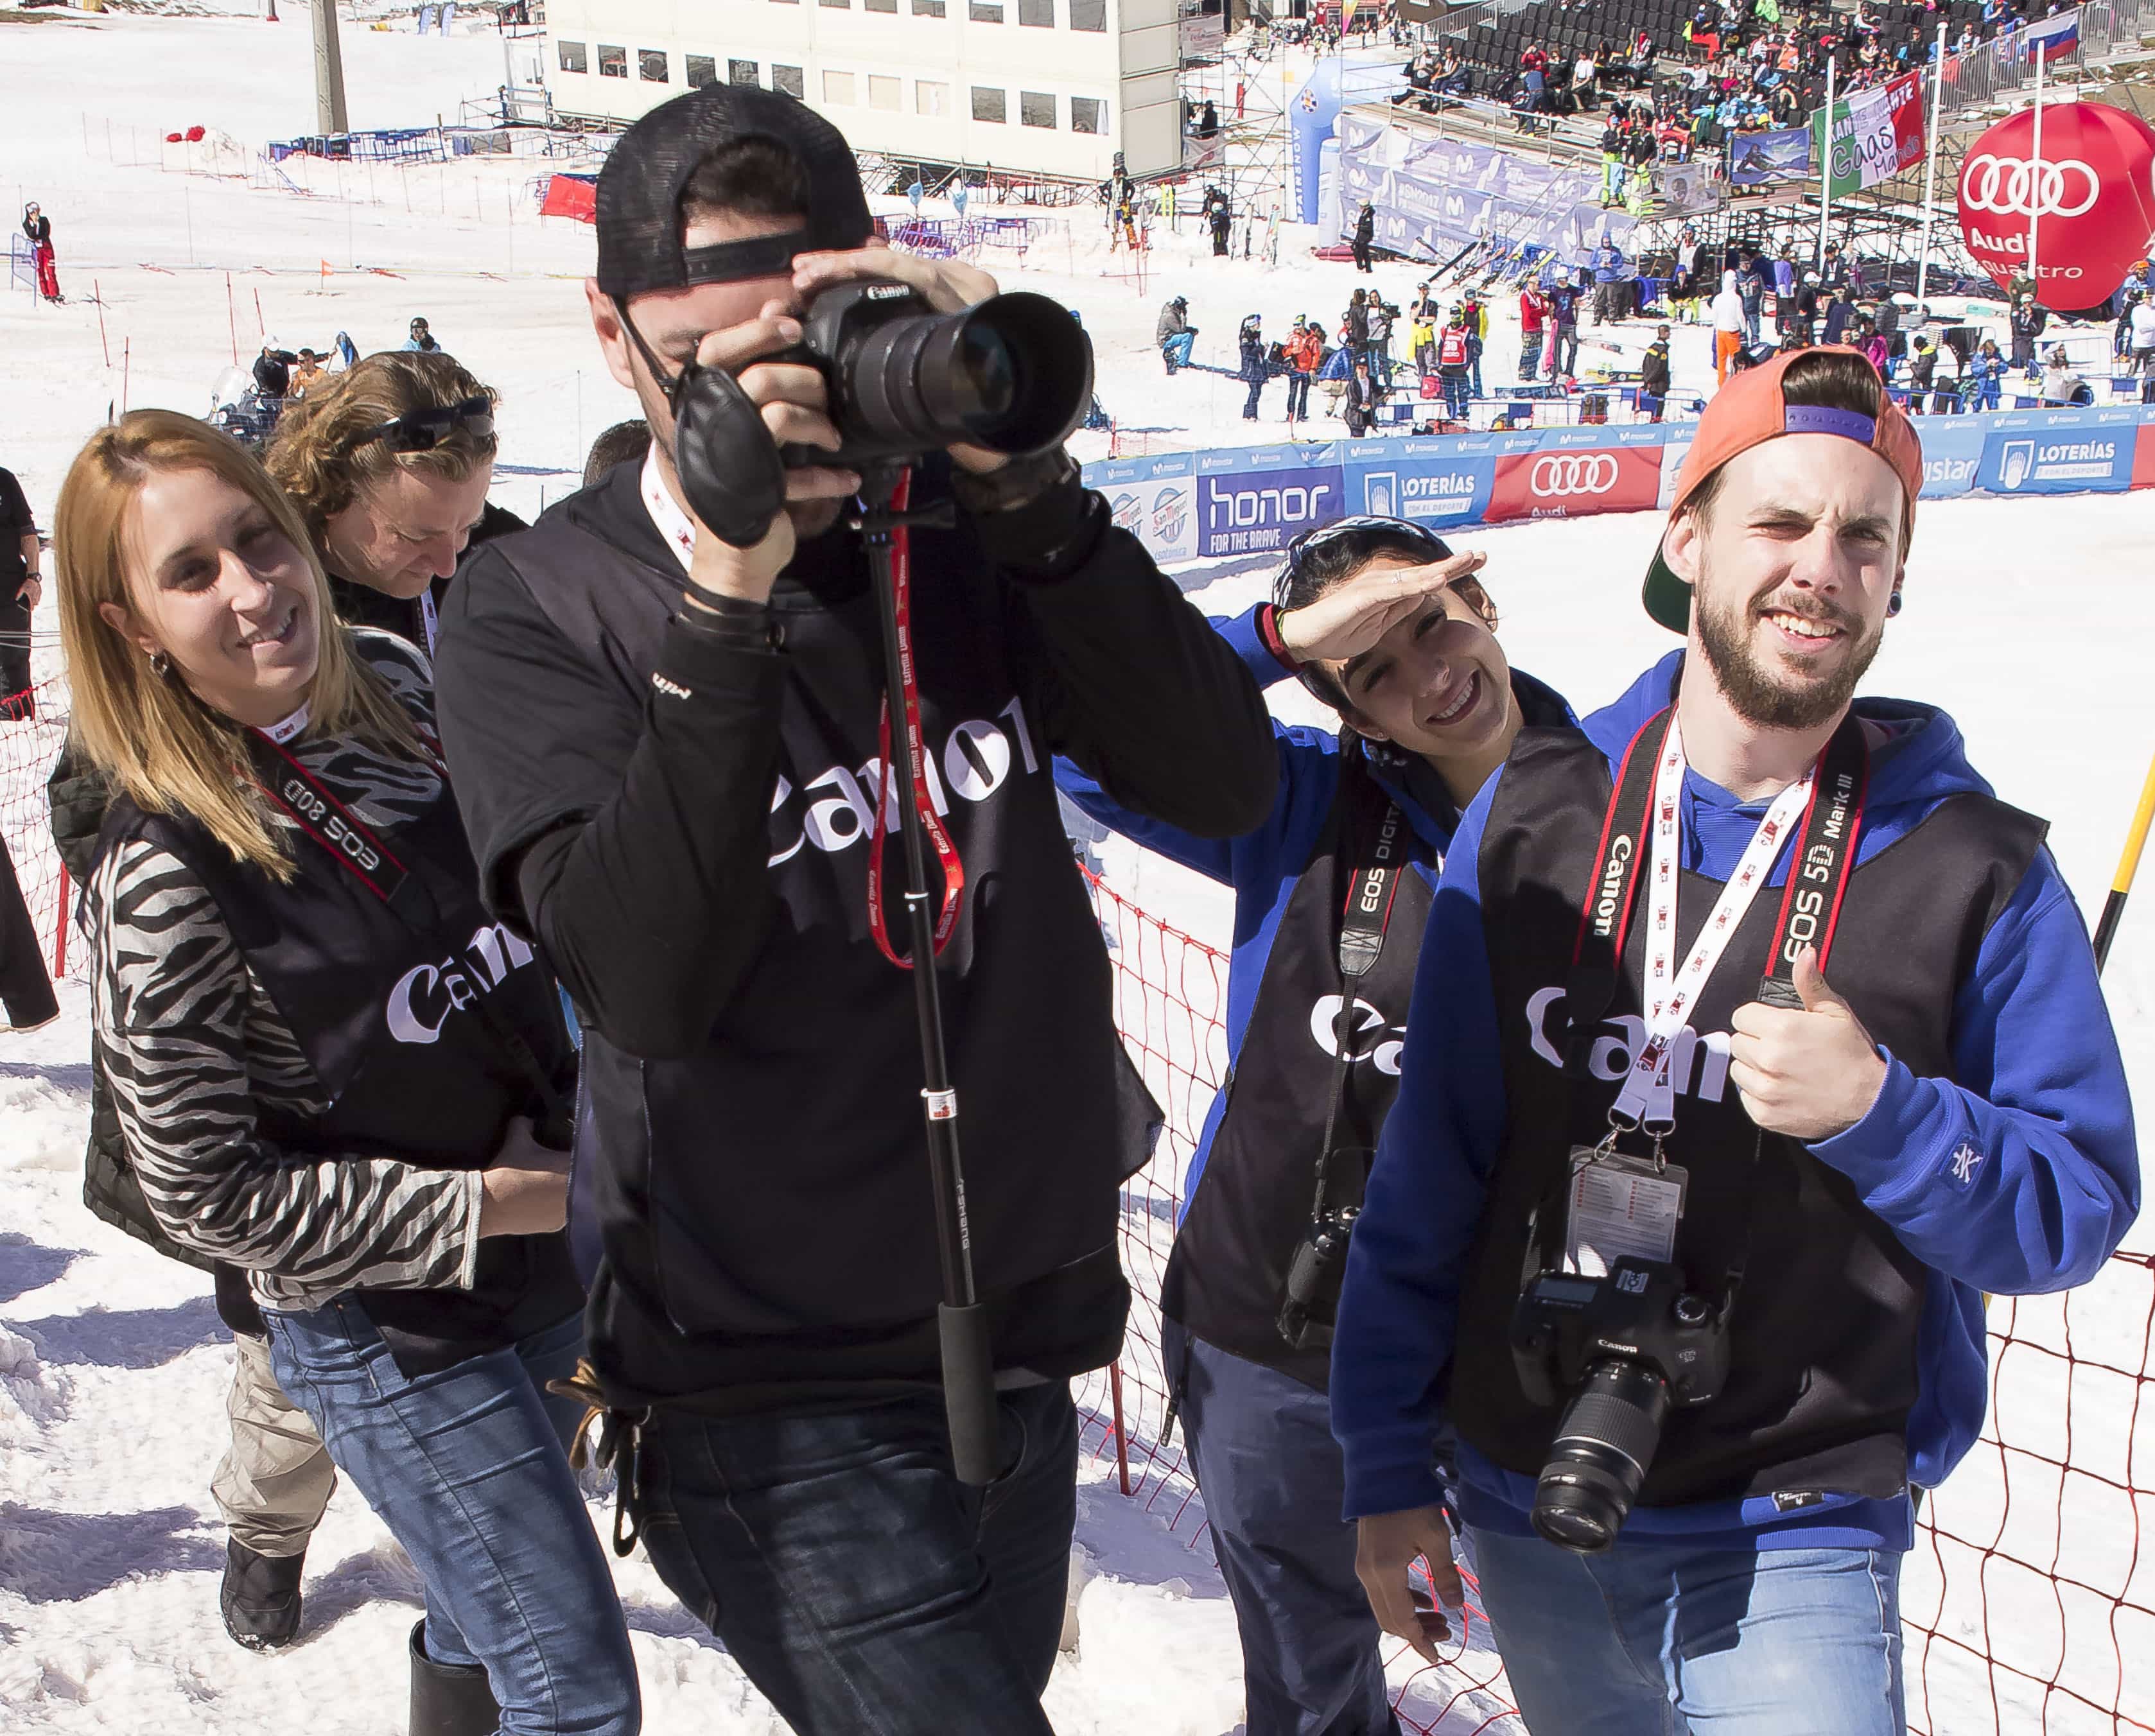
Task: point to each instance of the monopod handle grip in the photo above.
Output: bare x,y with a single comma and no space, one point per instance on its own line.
969,1394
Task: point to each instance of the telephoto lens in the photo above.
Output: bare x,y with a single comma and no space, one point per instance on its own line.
1600,1455
1012,373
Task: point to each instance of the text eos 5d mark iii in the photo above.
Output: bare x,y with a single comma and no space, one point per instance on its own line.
1625,1349
1012,375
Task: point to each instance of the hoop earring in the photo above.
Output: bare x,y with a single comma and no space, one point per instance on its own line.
1893,605
161,666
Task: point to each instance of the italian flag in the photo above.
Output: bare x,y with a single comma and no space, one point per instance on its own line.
1871,135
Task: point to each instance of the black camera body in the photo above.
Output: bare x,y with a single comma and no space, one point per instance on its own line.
1309,1300
1623,1349
1012,373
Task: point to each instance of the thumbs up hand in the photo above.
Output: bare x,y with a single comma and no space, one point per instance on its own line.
1809,1073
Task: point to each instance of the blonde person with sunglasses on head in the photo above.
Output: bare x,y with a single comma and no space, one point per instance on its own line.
1392,630
328,1064
389,464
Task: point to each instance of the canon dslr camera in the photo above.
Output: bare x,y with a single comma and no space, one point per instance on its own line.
1624,1349
1309,1301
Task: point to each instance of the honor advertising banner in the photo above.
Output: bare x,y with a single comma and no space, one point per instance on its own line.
1253,500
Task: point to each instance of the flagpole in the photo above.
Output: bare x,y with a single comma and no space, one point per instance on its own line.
2035,173
1825,162
1931,170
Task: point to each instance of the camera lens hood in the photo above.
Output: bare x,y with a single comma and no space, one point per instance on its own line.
728,466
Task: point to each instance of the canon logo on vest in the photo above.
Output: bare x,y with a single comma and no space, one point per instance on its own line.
425,995
1372,1038
837,806
1698,1065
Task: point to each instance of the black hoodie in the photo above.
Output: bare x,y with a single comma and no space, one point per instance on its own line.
683,819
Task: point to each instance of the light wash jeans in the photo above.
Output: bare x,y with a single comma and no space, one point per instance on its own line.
1662,1639
467,1469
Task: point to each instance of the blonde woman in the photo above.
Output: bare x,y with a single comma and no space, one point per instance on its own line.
327,1061
389,464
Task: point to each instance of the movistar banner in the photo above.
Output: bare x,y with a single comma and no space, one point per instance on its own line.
1253,500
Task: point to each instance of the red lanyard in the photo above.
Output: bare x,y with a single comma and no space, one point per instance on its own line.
946,852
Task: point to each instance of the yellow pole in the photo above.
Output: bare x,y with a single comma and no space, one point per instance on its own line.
2128,865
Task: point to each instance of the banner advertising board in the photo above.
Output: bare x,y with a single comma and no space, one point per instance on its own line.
1256,505
1565,484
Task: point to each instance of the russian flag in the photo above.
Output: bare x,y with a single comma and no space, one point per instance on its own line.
2056,36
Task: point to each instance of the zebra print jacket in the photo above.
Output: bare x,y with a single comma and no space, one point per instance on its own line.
196,1051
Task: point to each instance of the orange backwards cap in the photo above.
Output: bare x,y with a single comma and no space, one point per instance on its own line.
1749,409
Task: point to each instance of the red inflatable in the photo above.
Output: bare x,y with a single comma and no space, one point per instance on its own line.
2090,199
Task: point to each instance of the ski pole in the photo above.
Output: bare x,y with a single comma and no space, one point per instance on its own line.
2121,883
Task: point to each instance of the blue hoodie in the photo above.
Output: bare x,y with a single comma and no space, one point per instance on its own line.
1263,866
2040,1087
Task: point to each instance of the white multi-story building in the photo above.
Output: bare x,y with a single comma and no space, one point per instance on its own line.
1038,87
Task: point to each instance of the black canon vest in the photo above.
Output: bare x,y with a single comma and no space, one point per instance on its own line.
380,1006
772,1188
1823,1369
1252,1202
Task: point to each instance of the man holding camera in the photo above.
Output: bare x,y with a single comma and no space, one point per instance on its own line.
1753,1042
667,749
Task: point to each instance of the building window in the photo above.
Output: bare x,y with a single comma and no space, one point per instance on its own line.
788,79
985,12
1088,114
651,66
879,5
572,57
1036,108
836,5
1089,15
886,91
989,105
838,89
929,9
932,99
1037,14
740,72
699,70
613,62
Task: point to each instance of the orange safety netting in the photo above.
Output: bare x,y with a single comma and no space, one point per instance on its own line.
2028,1604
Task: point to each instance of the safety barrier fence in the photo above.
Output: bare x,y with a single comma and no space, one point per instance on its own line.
1252,500
2028,1603
29,747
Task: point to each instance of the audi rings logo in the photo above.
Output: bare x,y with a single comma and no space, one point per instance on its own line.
1573,473
2014,186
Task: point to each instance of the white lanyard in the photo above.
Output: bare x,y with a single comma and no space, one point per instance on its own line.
283,730
1671,991
674,524
430,621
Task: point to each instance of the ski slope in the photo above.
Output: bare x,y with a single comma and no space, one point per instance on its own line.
2028,620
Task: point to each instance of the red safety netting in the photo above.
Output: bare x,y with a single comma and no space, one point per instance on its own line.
28,746
2028,1604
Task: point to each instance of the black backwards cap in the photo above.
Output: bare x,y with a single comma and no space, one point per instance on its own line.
640,188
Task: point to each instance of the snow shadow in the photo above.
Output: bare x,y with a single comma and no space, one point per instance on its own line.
126,1337
72,1077
49,1557
25,1265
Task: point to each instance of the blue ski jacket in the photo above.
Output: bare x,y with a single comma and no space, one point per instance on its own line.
2040,1088
1263,867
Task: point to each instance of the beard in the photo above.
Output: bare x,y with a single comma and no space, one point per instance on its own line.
1768,698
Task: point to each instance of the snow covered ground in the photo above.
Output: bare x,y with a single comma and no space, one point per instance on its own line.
2028,620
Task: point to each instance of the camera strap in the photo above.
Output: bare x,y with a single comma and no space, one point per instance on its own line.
1372,888
1648,793
354,846
924,801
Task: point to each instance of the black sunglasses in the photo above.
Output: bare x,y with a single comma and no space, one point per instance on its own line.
421,431
1323,536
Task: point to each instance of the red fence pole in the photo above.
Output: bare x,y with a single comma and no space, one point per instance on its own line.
60,933
1121,1434
97,294
231,314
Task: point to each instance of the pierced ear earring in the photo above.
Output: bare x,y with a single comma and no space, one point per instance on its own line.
161,666
1893,605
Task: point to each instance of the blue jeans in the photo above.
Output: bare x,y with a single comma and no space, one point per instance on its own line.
1250,404
467,1469
1177,349
1274,1483
1661,1639
1298,394
1455,392
860,1584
